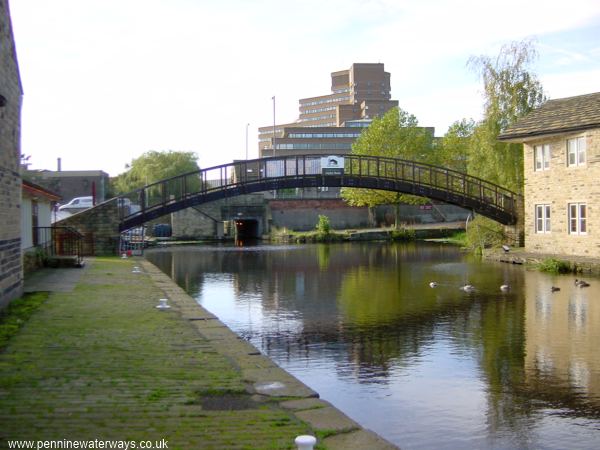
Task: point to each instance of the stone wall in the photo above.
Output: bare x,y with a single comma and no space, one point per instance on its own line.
99,226
71,184
204,221
303,215
11,267
558,186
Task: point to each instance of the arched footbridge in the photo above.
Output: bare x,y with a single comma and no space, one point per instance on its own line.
311,171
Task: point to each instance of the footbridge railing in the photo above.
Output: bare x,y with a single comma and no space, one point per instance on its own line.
311,171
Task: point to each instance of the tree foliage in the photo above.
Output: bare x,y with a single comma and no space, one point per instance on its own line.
510,91
153,166
452,150
396,135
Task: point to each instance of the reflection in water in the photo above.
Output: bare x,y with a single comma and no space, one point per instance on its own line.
425,368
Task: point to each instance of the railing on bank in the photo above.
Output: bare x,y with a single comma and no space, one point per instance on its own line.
312,171
59,241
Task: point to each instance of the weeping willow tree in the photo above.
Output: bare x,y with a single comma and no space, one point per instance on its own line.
155,165
510,91
395,135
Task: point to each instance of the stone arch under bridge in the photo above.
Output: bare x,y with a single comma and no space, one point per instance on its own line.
104,222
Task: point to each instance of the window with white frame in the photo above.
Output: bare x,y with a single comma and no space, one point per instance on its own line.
577,218
542,219
541,156
576,151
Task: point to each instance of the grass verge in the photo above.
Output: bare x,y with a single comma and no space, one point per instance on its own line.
16,314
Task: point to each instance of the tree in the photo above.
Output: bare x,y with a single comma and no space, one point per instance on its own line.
452,150
395,135
510,92
153,166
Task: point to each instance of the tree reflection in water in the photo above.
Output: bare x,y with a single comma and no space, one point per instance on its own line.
360,324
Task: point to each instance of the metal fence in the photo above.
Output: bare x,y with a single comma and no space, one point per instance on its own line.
59,241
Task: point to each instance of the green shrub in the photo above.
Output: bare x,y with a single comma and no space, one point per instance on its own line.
553,265
484,233
403,234
323,225
458,238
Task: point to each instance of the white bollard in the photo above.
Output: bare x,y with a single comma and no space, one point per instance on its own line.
162,304
305,442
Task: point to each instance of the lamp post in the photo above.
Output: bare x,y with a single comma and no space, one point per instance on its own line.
247,125
273,142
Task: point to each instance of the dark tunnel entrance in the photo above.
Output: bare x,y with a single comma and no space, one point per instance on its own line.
246,229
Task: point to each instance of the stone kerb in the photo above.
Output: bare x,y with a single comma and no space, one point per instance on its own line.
99,226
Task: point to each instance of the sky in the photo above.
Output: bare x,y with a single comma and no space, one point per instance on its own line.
106,80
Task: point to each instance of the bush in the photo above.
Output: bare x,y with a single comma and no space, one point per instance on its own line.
323,226
484,233
554,266
403,234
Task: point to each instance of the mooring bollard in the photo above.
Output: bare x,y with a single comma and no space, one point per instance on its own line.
162,304
305,442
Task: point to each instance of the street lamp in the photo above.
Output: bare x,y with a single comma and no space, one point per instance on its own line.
273,142
247,125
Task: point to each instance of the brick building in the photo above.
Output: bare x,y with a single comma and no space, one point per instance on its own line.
11,93
562,175
330,123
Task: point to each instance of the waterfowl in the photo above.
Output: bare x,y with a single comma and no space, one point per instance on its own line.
581,283
468,288
433,284
554,289
505,288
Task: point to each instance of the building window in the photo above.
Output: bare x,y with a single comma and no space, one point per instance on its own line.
576,151
541,156
577,218
542,219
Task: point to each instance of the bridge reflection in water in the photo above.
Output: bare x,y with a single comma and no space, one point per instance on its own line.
311,171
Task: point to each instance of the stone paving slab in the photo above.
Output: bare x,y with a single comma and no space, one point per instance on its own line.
328,418
360,439
53,280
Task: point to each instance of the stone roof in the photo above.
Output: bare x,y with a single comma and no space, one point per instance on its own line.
557,116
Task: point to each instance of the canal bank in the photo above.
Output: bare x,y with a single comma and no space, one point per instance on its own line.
563,263
410,232
98,360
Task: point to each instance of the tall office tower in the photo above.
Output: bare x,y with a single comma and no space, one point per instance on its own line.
357,96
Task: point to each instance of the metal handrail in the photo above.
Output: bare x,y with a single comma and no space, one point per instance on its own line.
280,172
60,241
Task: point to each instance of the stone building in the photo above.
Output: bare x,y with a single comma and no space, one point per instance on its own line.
11,94
69,184
562,175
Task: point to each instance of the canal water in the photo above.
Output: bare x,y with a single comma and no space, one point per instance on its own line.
426,368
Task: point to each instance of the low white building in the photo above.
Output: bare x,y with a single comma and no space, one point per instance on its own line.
37,208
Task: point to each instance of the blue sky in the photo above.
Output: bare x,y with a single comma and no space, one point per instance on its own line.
106,80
